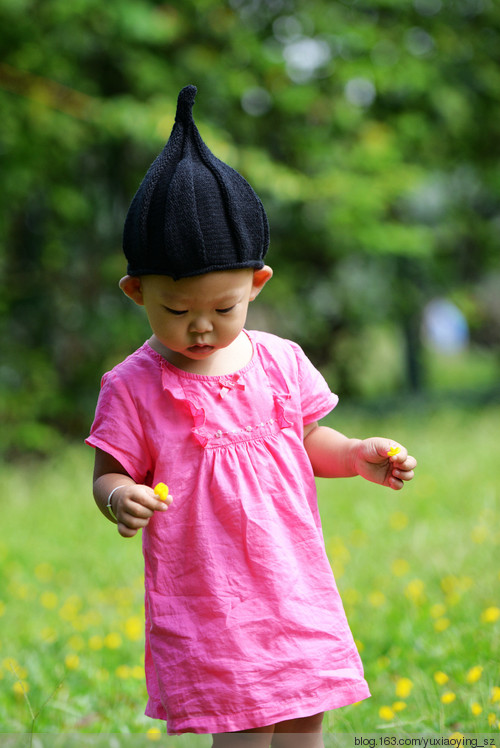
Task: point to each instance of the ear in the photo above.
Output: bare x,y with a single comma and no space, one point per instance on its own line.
132,287
260,278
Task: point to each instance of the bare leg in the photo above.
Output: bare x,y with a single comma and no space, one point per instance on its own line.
259,737
303,732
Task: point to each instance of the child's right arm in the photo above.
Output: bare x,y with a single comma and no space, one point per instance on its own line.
132,504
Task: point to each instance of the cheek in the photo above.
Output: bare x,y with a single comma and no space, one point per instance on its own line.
234,326
163,325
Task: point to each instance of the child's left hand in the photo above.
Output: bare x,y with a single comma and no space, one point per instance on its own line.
380,461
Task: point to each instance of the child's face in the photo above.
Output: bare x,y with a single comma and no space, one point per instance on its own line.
195,317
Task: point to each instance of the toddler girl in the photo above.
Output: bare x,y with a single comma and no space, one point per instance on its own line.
246,637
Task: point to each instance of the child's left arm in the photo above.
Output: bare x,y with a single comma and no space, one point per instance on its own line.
334,455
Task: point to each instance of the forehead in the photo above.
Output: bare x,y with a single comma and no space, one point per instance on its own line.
209,285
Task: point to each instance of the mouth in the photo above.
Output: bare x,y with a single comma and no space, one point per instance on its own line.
202,350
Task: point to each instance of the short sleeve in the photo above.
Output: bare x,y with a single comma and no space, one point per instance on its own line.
316,397
117,428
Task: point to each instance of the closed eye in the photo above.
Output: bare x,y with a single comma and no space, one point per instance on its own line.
177,312
225,311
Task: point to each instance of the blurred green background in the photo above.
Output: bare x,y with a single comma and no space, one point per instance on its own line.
369,128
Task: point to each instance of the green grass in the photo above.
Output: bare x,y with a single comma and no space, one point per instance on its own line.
418,571
419,574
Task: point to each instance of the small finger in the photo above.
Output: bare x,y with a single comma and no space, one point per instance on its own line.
403,474
163,504
137,510
125,531
136,523
400,457
146,499
410,463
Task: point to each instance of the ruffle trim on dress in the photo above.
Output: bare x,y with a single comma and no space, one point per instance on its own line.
175,389
281,417
281,393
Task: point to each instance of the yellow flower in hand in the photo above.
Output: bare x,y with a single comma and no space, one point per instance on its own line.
161,490
393,451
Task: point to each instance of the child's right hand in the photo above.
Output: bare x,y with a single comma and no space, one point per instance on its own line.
134,505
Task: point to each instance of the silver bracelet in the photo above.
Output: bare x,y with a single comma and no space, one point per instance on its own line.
108,505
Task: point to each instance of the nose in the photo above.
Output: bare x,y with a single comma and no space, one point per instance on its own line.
200,324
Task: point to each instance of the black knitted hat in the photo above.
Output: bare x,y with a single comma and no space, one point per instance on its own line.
192,213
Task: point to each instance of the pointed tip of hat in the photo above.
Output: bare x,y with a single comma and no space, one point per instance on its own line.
185,102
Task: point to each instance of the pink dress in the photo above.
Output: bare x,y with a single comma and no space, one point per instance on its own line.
244,624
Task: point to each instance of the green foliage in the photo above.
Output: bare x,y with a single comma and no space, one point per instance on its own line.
366,127
415,569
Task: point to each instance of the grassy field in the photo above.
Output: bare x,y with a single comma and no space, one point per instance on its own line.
418,571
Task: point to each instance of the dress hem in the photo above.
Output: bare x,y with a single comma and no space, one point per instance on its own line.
259,718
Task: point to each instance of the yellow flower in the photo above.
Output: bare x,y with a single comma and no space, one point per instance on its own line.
11,665
490,615
70,608
398,706
48,634
134,628
448,697
123,671
154,733
96,642
398,520
376,598
474,674
400,567
20,687
385,712
492,719
403,688
448,584
480,534
138,672
161,490
44,572
72,661
476,709
124,596
351,596
441,678
438,610
338,568
338,550
358,538
393,451
49,600
441,624
415,591
113,641
20,591
495,694
76,643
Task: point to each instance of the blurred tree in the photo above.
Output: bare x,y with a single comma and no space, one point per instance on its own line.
367,127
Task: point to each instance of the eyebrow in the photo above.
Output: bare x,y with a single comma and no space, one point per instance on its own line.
226,299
